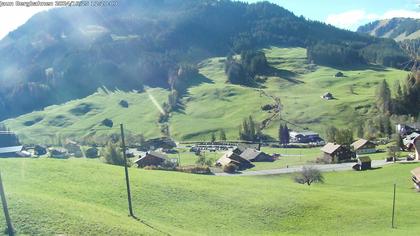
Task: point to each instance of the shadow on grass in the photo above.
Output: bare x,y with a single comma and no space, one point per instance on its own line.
409,163
377,68
376,168
284,74
149,225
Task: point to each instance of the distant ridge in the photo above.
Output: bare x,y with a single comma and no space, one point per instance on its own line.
398,29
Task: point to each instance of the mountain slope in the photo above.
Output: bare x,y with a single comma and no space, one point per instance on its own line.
396,28
213,104
54,58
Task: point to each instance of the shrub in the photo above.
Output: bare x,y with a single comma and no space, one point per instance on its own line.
124,103
112,155
203,161
309,175
268,107
108,123
202,170
230,168
92,152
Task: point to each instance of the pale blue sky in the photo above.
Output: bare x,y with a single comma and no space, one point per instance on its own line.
350,14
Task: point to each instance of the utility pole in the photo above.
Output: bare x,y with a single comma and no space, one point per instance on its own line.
127,180
393,208
9,230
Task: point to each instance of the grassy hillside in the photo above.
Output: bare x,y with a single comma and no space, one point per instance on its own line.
213,104
82,118
85,197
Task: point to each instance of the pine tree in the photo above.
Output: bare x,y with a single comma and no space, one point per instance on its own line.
281,131
222,135
213,137
383,97
286,134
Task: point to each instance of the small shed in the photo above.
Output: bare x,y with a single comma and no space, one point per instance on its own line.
363,163
416,178
151,159
337,153
327,96
253,155
363,146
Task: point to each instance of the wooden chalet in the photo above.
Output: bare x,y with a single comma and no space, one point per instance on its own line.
232,158
416,178
253,155
151,159
363,146
337,153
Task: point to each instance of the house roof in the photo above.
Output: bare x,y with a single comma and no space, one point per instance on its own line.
11,149
364,159
153,154
157,154
250,154
360,143
233,156
226,161
416,172
410,139
330,148
304,133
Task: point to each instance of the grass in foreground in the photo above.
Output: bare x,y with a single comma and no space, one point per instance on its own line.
85,197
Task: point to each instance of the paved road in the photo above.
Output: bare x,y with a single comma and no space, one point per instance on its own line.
323,168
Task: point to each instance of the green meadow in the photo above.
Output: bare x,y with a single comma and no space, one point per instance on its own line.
212,104
86,197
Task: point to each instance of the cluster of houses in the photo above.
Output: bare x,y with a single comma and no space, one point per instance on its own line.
337,153
243,157
70,148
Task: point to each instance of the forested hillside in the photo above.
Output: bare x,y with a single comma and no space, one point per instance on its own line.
67,53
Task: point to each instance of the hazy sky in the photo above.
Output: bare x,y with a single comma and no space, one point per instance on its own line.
347,14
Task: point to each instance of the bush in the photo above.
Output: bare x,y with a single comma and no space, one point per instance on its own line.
124,103
202,161
268,107
92,152
202,170
230,168
108,123
112,155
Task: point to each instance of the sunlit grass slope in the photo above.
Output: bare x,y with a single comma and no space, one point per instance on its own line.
85,197
212,104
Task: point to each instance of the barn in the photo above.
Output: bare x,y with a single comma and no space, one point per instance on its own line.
337,153
232,158
363,146
11,151
253,155
151,159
